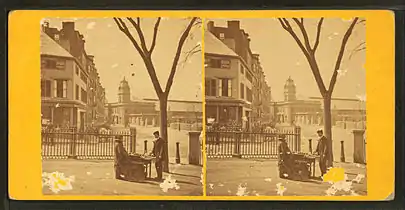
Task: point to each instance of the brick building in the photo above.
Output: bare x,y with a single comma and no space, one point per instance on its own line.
235,86
72,77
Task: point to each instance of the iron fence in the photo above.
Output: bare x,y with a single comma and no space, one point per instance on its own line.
264,144
76,144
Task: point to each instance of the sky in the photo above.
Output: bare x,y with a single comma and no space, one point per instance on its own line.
281,57
116,58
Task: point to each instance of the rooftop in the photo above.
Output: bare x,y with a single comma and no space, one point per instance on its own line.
213,45
52,48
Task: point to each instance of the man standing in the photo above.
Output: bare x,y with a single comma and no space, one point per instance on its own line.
322,150
121,158
158,149
285,163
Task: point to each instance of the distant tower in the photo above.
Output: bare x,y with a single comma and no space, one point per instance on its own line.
289,90
124,92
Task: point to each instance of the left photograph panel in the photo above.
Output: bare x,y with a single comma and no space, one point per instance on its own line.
121,106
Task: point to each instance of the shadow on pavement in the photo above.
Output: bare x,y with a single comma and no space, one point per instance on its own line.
177,174
185,182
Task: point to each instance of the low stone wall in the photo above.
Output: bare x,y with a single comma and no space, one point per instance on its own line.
186,126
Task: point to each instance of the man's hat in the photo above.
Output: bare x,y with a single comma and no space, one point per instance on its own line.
156,133
281,137
319,130
118,138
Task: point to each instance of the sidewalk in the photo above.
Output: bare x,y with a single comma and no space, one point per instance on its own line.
145,133
97,178
261,176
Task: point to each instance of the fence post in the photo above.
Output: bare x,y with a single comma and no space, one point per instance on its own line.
72,152
194,148
298,135
177,152
342,152
133,140
310,145
237,138
359,146
145,146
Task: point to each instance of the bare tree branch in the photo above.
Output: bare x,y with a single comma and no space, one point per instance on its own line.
196,49
146,59
123,27
282,24
140,34
177,55
340,55
310,57
304,34
358,48
361,21
155,31
289,29
318,35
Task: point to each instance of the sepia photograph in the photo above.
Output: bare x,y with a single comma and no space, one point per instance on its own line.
121,106
285,106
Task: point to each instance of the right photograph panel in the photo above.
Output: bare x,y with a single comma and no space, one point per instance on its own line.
285,106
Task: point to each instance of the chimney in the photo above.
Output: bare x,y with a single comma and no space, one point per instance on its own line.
210,26
234,24
68,27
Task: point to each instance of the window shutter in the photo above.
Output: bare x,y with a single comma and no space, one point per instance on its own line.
229,88
220,86
55,86
64,88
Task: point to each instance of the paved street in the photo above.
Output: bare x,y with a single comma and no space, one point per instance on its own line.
261,176
97,178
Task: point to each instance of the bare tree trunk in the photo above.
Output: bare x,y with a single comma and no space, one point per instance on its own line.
163,130
328,127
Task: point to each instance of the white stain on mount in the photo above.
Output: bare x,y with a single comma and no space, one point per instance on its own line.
241,191
91,25
280,189
169,183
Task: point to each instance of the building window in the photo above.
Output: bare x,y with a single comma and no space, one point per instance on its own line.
83,77
248,94
84,96
207,62
219,63
225,87
249,76
57,37
210,87
77,92
60,88
46,88
221,36
225,64
242,70
76,69
242,91
60,64
49,64
53,64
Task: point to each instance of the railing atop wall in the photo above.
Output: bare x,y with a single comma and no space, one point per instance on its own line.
76,144
263,144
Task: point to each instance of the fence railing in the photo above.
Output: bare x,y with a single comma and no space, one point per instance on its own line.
72,143
223,144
